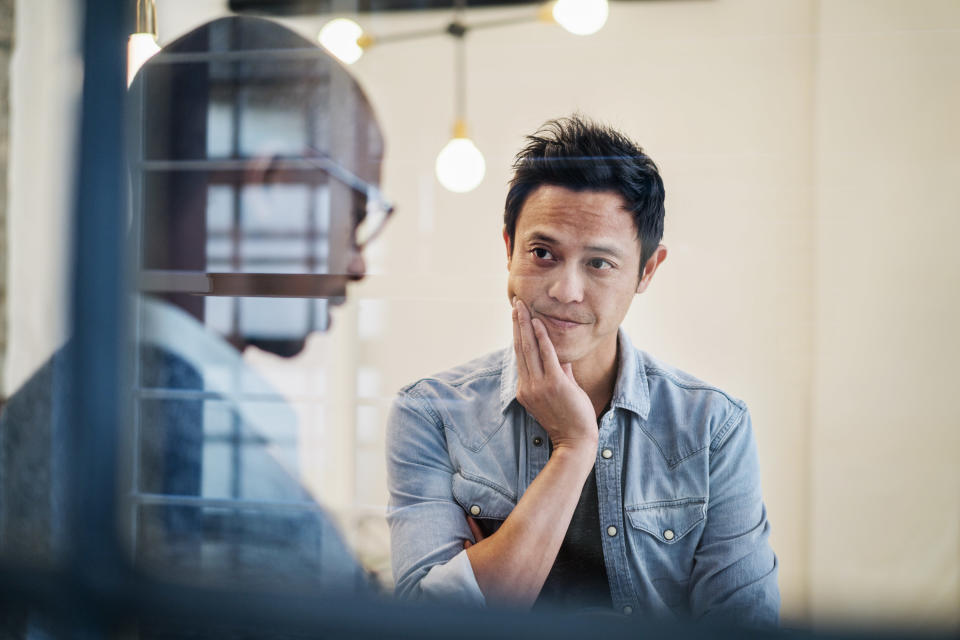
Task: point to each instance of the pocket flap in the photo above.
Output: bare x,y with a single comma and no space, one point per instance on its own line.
668,520
481,499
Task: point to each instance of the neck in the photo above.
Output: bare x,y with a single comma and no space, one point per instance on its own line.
597,374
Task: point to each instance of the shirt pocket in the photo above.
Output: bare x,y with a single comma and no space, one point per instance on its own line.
669,521
485,502
666,534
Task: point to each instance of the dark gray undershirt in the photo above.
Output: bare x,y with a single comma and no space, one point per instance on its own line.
578,578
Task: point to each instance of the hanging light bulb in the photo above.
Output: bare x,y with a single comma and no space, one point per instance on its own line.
581,17
142,45
460,166
345,39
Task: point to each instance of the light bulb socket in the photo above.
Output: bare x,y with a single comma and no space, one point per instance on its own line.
365,41
147,17
457,29
460,129
545,12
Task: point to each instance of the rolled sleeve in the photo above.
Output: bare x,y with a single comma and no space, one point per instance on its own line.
453,582
735,570
427,526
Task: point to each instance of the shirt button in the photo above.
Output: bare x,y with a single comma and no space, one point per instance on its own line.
537,441
475,510
611,531
668,534
628,610
606,453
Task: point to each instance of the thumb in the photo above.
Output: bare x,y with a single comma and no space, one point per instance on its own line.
568,369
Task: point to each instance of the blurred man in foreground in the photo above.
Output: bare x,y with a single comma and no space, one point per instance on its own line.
254,159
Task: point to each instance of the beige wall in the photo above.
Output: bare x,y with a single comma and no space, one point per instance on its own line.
885,475
809,151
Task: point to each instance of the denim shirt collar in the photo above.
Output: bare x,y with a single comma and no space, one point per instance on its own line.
508,378
629,392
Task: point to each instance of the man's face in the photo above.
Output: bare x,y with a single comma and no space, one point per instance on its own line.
575,263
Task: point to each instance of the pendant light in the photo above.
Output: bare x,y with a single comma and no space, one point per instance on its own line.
580,17
142,45
460,166
345,39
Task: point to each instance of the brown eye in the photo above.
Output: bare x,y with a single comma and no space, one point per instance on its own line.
542,253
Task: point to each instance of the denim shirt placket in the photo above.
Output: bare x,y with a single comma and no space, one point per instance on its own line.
536,454
609,488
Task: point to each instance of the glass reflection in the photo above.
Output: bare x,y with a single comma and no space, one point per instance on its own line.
254,169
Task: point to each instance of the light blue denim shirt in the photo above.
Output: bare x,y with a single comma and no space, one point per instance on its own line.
684,528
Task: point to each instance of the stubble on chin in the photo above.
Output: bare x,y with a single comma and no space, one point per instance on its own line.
565,353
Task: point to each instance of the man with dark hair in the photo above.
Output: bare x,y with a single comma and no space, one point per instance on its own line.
574,470
554,155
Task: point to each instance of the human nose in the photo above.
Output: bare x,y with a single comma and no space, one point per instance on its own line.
567,286
356,267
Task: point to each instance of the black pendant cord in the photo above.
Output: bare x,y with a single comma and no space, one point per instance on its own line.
459,32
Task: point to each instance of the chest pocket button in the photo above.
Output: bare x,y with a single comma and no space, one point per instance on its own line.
479,499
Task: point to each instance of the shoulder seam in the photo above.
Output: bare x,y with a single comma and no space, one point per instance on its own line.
701,386
414,393
735,419
458,382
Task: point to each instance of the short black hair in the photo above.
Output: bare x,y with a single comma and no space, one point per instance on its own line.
581,155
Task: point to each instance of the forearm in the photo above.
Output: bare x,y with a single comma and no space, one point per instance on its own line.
512,564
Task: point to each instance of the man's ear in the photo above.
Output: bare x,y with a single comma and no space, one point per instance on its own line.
509,245
659,255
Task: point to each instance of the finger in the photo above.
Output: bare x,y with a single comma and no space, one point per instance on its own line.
568,370
475,529
517,343
548,354
528,341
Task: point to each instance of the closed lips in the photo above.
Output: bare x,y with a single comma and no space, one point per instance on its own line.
560,321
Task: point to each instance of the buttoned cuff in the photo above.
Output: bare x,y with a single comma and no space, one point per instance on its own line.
453,582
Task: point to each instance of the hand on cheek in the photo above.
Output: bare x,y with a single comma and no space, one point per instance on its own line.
548,389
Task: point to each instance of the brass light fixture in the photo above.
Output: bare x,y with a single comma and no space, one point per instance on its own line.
460,166
142,45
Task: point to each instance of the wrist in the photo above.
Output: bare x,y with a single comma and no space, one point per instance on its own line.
582,451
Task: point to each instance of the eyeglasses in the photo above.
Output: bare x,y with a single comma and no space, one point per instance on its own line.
371,218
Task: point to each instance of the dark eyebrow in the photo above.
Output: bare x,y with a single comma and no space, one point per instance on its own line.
607,250
541,237
596,248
